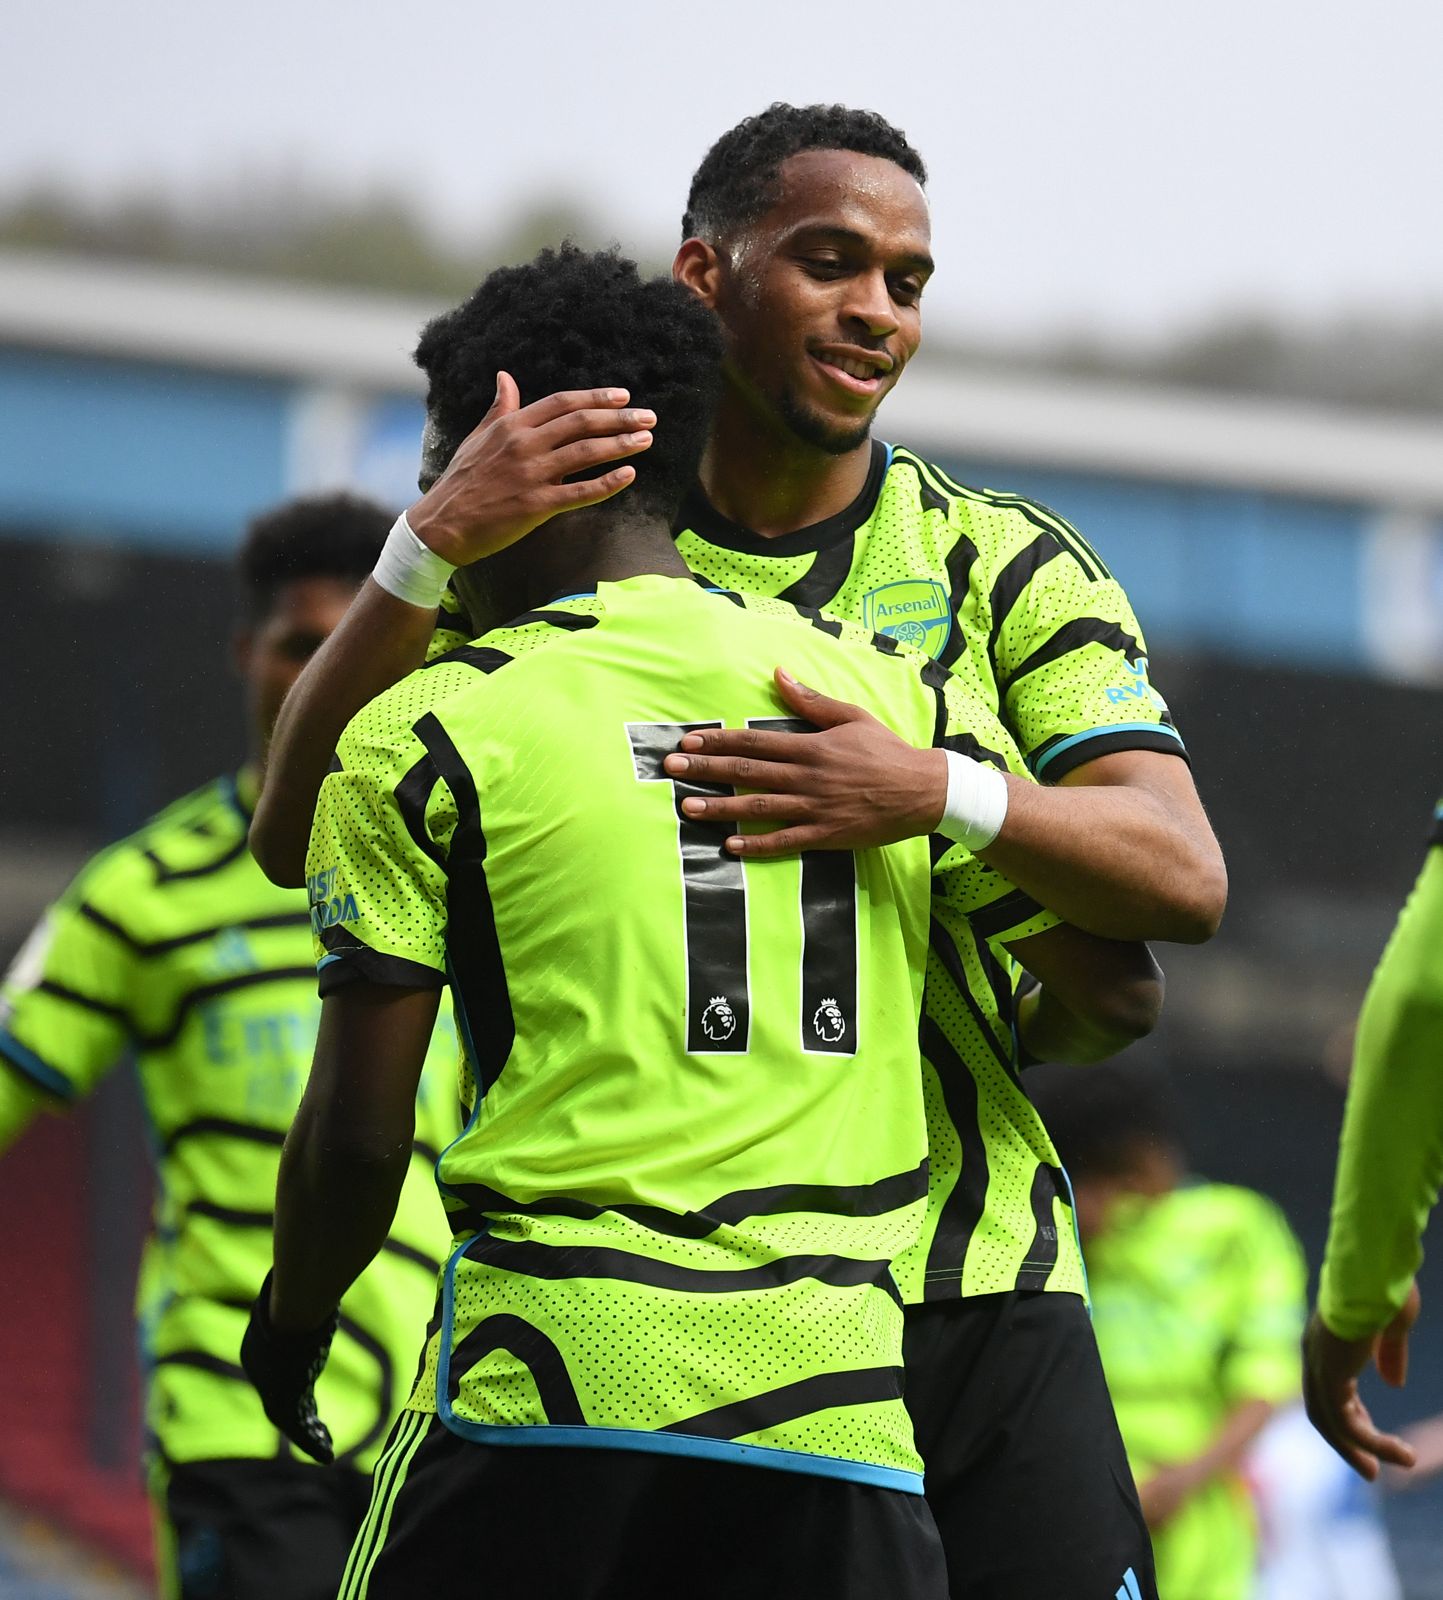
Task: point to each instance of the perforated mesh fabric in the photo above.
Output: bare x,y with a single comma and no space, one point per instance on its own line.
604,1099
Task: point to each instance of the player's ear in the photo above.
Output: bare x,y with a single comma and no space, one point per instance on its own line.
698,267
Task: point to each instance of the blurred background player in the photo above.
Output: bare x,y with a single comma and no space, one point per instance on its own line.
809,235
1197,1296
172,946
1390,1169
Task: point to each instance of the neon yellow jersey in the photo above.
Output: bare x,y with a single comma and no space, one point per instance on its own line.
1023,610
697,1136
173,946
1197,1302
1390,1159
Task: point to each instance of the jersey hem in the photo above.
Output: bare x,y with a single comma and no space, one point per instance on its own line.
30,1066
683,1444
1053,764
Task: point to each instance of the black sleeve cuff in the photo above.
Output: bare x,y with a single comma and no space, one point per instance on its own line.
1049,767
348,961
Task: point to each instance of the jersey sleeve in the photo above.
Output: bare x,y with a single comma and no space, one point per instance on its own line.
65,1003
1069,656
1390,1161
376,871
1261,1360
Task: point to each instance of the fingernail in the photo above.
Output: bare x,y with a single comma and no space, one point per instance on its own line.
636,438
693,807
676,763
619,396
691,741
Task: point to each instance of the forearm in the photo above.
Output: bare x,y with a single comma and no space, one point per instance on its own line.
1390,1162
1050,1031
1114,860
1225,1453
336,1198
378,642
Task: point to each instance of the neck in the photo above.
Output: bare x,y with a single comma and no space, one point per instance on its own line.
575,552
759,474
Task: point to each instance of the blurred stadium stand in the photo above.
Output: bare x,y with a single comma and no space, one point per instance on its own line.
1287,562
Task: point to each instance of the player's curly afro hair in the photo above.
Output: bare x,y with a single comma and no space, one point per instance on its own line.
736,182
575,319
320,536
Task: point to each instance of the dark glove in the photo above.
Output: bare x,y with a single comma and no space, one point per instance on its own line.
284,1368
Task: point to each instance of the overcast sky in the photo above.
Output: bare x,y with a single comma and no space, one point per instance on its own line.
1123,166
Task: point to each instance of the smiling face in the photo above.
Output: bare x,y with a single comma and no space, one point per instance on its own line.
821,298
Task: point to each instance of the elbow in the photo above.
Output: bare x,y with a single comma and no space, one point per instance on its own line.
1200,897
1128,1008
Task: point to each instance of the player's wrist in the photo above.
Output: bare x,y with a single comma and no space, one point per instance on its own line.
410,567
975,804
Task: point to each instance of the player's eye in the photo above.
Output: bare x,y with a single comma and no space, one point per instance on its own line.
907,291
824,266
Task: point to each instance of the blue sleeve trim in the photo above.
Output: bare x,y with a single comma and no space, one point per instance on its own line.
325,961
642,1439
25,1060
1155,728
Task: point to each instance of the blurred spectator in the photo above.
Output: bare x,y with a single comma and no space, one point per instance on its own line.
1198,1298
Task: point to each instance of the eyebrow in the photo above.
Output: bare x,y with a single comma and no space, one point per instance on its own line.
823,230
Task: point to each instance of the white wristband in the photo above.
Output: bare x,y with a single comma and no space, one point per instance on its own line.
976,802
410,570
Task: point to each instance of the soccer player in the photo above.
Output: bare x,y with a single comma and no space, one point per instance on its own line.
1390,1167
696,1136
807,232
172,946
1197,1298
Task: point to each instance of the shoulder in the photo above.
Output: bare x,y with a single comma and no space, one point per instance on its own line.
191,831
1000,525
1230,1211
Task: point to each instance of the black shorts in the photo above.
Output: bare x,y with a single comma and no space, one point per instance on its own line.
542,1522
255,1530
1026,1473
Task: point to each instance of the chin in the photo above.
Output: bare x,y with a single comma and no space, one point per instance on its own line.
838,436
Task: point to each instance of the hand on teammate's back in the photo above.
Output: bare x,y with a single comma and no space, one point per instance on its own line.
509,474
851,785
284,1368
1331,1369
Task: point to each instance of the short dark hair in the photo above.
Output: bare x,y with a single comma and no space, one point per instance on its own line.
318,536
1103,1117
737,181
577,319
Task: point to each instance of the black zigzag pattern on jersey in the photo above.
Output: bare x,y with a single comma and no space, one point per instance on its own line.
819,584
163,1038
167,874
1073,635
473,946
1041,1255
485,658
1009,584
222,1127
962,1209
560,1261
1039,515
863,1386
568,621
990,920
837,1200
383,1392
413,794
535,1351
101,1008
164,947
928,491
